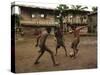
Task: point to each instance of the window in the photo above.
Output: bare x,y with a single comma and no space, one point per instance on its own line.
42,15
33,15
57,16
71,16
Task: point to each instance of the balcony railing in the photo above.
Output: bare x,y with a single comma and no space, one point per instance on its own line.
39,22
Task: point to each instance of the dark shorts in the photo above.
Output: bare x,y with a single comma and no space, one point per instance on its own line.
75,43
60,42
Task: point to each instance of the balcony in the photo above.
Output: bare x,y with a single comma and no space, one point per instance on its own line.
38,23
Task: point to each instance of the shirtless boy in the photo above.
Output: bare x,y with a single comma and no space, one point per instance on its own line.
75,42
60,40
41,42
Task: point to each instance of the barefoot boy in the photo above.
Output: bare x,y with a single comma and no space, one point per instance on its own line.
41,42
59,38
75,42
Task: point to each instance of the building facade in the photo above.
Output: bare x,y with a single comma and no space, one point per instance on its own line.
92,22
32,17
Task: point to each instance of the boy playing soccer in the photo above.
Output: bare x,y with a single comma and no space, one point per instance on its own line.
75,42
59,38
41,42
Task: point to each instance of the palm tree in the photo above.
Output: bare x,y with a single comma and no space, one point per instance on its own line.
94,9
62,8
78,8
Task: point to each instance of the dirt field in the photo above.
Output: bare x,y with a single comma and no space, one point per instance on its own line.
26,53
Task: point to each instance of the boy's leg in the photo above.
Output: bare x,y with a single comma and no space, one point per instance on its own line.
76,44
73,47
76,51
57,49
64,49
36,62
52,57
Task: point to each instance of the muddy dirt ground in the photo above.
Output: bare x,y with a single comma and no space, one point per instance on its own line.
26,54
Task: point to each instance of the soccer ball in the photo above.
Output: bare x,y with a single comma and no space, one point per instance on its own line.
71,54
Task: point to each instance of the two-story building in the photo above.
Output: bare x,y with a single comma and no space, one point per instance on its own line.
33,17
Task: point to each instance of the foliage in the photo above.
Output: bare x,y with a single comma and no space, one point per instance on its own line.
78,7
62,7
94,9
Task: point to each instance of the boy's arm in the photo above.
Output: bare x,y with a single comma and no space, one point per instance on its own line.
70,32
81,28
37,40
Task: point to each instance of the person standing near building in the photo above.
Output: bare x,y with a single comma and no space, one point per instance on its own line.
41,42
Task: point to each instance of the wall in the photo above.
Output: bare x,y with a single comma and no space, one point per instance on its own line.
26,14
92,23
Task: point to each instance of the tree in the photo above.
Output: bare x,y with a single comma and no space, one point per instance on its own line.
94,9
62,8
78,7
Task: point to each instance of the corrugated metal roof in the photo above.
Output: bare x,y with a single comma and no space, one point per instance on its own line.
31,6
42,7
92,13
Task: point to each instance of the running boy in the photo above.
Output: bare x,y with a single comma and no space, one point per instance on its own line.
41,42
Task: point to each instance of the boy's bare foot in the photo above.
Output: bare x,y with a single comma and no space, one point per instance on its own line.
36,45
66,54
56,64
36,63
55,54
